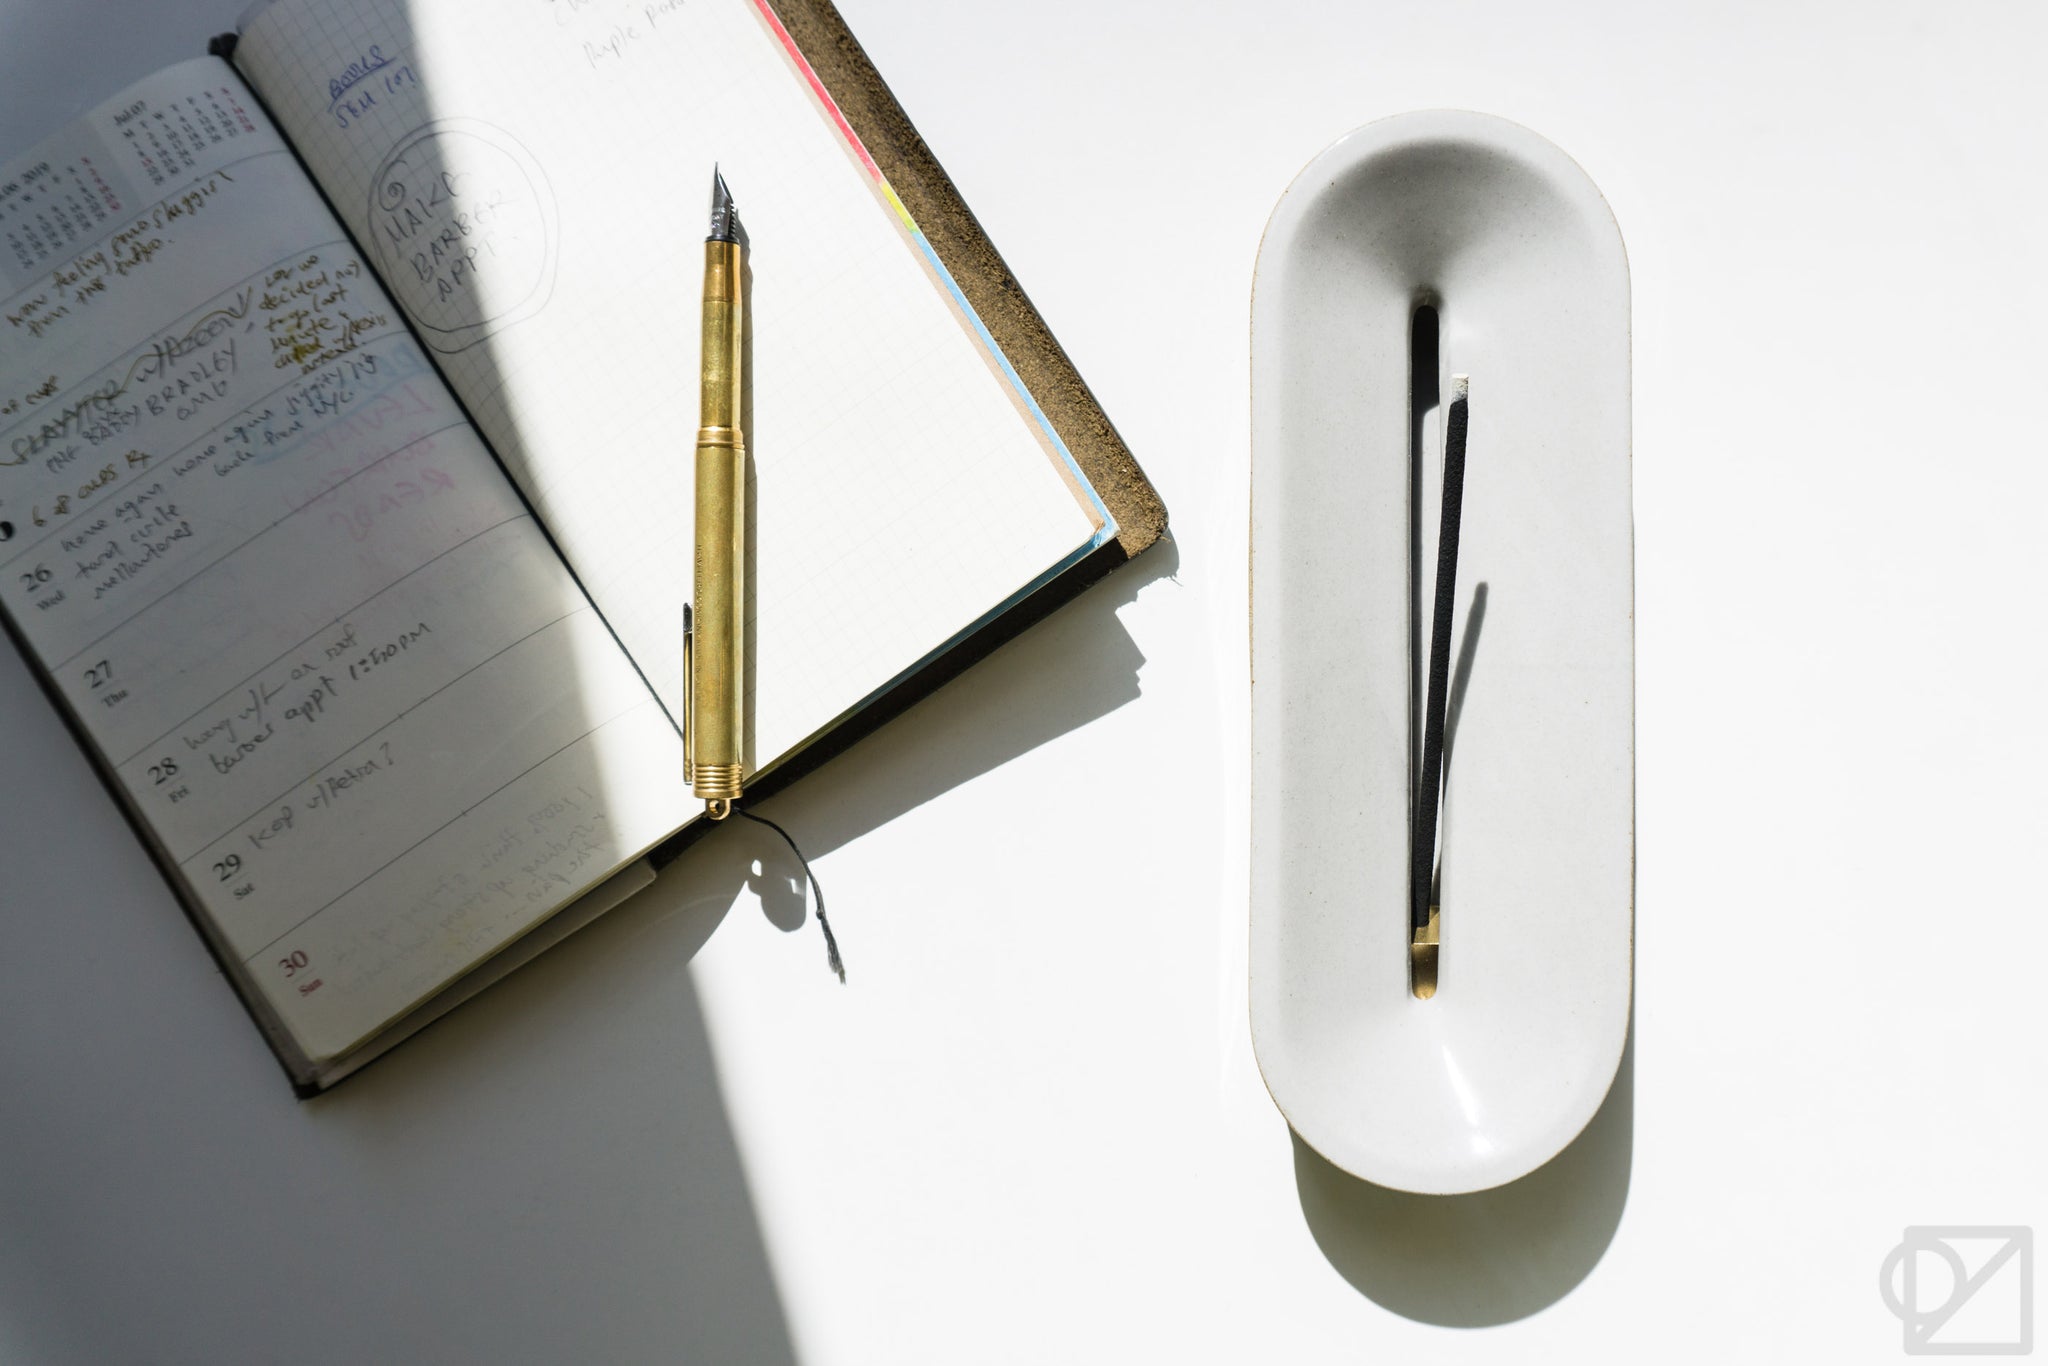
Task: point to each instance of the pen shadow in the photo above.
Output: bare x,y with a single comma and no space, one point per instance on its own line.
1062,672
508,1142
751,545
1070,669
1491,1257
558,1153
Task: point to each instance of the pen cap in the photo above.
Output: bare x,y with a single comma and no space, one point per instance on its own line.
717,734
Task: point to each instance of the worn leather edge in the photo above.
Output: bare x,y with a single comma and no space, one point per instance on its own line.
956,235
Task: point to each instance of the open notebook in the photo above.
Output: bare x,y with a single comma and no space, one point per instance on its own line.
344,469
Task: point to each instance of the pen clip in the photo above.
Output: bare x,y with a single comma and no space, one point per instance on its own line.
689,696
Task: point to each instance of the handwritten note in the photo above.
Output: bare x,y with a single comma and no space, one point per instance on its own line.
278,579
541,183
463,220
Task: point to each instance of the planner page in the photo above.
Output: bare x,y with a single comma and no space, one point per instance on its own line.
534,182
331,661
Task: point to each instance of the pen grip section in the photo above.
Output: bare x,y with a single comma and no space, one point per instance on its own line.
723,329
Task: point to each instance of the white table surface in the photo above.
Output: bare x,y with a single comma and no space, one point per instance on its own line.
1031,1129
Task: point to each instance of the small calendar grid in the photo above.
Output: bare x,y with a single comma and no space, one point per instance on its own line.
54,209
168,139
66,206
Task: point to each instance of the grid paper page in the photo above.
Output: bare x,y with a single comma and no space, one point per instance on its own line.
537,187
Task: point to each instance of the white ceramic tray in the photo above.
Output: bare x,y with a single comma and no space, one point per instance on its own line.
1511,242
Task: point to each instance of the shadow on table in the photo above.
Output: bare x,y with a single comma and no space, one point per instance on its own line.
574,1214
1473,1261
1073,668
561,1198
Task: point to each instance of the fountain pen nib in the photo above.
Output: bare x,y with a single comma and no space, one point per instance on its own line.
725,215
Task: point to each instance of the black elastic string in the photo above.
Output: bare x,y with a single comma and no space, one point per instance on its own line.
1423,850
832,959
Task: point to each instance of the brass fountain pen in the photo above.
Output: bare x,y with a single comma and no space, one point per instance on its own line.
714,632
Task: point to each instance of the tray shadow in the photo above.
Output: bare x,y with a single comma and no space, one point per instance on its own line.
1489,1258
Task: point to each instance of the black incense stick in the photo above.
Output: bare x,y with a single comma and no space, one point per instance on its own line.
1422,851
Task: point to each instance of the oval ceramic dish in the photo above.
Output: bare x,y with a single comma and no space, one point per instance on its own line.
1514,247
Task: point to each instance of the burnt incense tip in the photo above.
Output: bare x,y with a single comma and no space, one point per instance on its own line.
1461,387
725,215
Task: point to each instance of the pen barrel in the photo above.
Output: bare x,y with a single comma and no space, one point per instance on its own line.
717,703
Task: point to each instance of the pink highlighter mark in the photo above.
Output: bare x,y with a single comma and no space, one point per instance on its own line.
831,107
